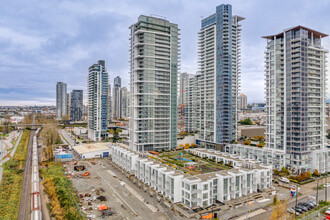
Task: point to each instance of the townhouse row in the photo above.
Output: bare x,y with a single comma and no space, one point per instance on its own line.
199,190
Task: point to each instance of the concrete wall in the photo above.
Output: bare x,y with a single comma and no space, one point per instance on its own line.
251,131
188,139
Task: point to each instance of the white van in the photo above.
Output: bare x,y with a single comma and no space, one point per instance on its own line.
284,180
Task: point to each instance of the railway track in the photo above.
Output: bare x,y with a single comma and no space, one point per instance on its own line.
25,207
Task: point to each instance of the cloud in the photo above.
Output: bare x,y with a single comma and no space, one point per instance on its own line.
42,42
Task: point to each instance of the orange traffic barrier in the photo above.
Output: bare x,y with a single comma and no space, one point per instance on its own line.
86,173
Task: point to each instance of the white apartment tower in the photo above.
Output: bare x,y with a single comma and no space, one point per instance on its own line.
98,103
295,96
154,63
219,67
242,101
61,100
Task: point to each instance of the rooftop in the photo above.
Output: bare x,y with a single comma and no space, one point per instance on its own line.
315,33
86,148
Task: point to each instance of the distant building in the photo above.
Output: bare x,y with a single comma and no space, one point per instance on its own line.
295,94
123,103
116,98
98,85
68,103
61,100
242,101
109,104
183,101
76,105
154,63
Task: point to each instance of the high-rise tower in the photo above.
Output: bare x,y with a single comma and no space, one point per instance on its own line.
295,96
61,100
154,62
219,67
98,85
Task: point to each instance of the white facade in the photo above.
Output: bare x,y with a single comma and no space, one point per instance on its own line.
263,155
200,190
295,95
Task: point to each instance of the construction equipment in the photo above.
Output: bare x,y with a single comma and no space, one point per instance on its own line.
86,173
79,168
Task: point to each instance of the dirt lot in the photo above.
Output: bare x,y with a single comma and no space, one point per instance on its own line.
121,196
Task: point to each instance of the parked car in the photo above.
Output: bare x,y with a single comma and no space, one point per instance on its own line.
298,210
292,211
311,201
305,205
311,204
284,180
305,209
326,185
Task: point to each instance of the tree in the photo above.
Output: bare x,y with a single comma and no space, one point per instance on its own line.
285,171
246,121
276,172
279,211
275,199
316,173
328,135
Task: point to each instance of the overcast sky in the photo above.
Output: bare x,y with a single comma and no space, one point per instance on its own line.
43,42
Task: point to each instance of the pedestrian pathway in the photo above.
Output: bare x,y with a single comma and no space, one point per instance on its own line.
11,155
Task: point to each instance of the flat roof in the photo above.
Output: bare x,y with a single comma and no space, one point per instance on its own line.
315,33
87,148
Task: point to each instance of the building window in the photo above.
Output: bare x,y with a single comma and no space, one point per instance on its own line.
225,186
205,195
205,203
205,187
193,187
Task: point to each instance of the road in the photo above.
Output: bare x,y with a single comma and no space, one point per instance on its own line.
67,138
25,203
11,154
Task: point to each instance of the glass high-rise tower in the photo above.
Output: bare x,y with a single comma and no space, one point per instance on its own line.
219,80
295,96
98,103
154,63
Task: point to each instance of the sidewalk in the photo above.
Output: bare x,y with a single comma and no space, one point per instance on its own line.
11,155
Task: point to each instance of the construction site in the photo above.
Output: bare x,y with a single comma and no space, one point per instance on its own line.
105,192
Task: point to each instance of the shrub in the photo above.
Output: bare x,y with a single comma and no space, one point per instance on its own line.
316,173
276,172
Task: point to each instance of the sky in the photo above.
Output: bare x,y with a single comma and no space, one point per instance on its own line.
44,42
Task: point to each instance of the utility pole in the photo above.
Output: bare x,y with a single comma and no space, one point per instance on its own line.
317,191
326,193
295,212
1,150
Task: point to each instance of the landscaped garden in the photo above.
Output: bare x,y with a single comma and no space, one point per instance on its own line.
190,163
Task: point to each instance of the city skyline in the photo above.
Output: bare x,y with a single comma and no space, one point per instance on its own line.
26,41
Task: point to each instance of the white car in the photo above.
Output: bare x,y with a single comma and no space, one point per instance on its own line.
284,180
326,185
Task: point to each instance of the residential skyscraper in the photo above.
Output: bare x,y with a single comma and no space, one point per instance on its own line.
295,97
116,97
76,105
183,101
242,101
61,100
98,85
219,66
154,62
124,103
68,103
